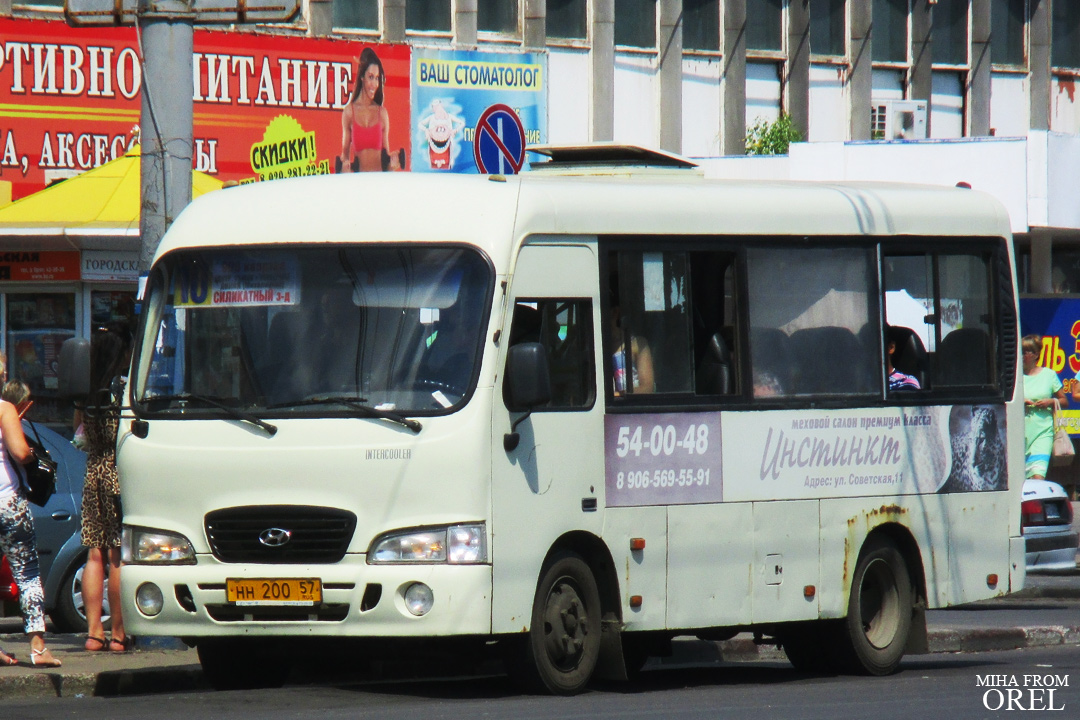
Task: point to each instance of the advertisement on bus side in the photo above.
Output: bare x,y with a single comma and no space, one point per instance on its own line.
685,458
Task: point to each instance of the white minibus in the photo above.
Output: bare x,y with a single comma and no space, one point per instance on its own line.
570,415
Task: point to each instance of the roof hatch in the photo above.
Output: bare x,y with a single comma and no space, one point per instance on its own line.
606,158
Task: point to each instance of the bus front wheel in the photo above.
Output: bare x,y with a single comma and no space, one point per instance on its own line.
879,609
560,651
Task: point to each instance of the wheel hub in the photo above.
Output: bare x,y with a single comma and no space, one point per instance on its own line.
565,625
879,604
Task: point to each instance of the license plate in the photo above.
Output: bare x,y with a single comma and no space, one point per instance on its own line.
273,591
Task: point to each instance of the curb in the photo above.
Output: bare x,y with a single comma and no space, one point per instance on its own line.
685,650
739,649
1047,593
112,683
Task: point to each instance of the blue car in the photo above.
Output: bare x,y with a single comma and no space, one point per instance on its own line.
61,554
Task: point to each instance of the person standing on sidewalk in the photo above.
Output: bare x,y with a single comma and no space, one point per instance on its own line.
18,540
110,353
1042,387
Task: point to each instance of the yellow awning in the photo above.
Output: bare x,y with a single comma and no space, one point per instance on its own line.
103,201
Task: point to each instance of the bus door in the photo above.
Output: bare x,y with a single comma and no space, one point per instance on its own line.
551,483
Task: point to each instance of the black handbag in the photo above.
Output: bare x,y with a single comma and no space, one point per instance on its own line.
39,475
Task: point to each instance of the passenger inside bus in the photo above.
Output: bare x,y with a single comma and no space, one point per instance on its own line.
905,359
639,359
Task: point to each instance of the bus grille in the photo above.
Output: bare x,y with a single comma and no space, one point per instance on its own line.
254,534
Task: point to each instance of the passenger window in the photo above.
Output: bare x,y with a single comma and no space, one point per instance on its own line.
813,326
671,323
943,303
564,328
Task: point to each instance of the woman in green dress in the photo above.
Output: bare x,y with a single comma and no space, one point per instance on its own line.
1042,387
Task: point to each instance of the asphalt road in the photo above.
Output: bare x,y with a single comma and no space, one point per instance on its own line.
932,687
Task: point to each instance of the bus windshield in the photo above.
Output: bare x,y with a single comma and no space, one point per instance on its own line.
320,330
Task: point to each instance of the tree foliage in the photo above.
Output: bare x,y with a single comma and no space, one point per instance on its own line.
771,138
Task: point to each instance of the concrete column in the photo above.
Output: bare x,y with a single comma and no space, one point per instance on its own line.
166,120
671,47
464,23
860,79
534,25
1041,270
392,20
978,85
602,80
319,15
1039,60
920,81
733,78
797,72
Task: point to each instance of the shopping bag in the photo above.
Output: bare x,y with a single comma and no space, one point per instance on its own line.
1064,451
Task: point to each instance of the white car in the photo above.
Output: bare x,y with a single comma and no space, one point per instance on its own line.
1046,517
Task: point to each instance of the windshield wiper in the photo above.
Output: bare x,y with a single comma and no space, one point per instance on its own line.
357,403
271,430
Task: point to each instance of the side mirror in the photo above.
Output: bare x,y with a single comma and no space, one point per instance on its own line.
73,371
528,380
527,385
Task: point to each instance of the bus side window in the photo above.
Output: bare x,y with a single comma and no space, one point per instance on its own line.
564,328
672,323
809,306
947,300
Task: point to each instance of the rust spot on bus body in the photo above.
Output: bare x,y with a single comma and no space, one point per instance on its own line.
870,519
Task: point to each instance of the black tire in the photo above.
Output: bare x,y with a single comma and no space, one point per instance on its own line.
879,610
560,651
244,663
69,616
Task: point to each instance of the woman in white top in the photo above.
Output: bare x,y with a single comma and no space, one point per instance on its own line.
17,538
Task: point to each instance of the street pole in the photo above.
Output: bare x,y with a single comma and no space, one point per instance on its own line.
166,35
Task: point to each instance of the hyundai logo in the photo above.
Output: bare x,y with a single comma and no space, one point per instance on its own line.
275,537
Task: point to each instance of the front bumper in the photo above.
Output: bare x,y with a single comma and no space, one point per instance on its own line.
359,600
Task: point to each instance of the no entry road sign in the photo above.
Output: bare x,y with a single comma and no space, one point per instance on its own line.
499,142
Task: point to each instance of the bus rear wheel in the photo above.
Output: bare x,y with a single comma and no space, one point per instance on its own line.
879,610
561,649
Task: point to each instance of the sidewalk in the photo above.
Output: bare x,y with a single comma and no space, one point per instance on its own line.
1044,614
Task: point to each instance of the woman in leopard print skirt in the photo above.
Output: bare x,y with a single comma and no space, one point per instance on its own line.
110,354
17,538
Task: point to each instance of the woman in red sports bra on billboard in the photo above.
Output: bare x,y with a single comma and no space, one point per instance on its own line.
365,124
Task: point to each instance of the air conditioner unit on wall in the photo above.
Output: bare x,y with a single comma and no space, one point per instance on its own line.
897,119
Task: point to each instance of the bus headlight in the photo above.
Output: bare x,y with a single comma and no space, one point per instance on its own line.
456,544
145,546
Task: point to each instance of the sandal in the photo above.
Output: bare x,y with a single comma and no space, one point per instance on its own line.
50,662
101,644
7,659
122,645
